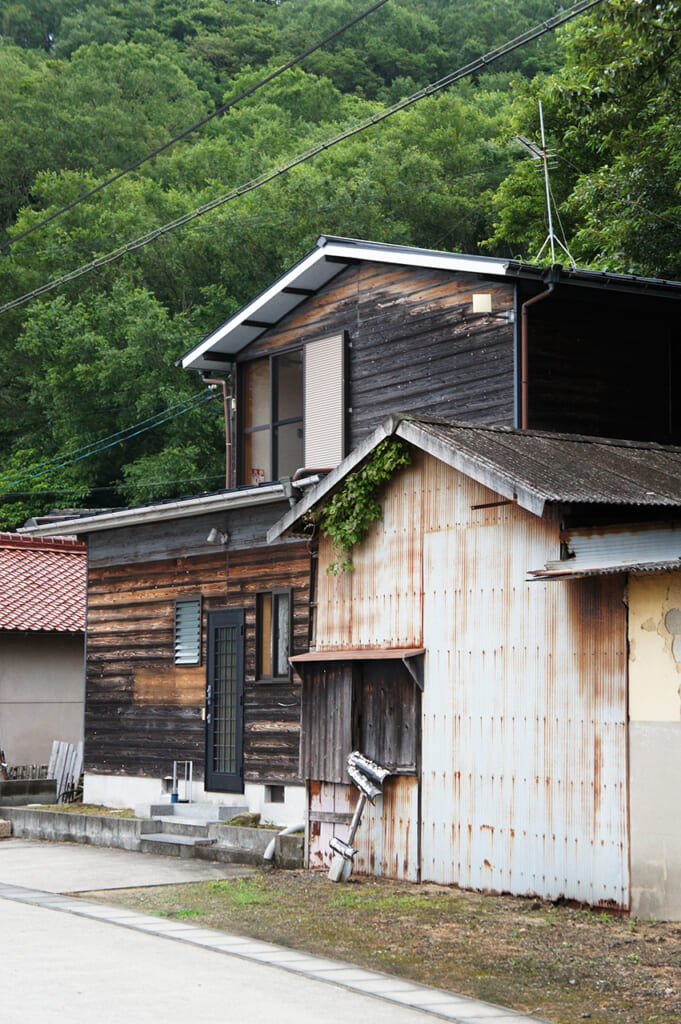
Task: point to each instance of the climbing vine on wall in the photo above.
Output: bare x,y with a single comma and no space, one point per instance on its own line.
346,518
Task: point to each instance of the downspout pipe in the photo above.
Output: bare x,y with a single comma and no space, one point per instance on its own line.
268,855
524,356
226,399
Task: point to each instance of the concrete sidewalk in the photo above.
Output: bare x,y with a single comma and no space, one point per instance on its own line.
66,958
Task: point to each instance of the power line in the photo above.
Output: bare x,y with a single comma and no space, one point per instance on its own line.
199,124
470,69
17,479
399,187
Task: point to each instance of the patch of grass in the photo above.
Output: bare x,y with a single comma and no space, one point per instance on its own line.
243,892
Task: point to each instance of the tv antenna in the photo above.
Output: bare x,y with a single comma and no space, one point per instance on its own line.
545,155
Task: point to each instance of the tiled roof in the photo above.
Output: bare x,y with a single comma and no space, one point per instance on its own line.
42,584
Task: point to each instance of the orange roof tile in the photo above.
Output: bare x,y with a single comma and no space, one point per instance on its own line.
42,584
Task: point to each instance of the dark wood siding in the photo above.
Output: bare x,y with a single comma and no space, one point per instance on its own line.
372,706
604,364
414,344
142,710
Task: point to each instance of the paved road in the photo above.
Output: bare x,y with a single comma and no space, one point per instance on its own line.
65,959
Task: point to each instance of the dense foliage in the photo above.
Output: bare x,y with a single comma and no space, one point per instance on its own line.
89,88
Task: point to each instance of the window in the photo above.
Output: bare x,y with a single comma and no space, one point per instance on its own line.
273,629
188,631
293,411
272,417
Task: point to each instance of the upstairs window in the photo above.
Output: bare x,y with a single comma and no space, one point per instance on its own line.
188,631
293,411
272,417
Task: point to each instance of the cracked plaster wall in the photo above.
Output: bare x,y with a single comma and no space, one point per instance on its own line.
655,744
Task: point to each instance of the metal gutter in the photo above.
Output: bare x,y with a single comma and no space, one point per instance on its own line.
181,509
580,572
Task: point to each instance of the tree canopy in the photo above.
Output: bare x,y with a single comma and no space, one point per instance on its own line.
91,88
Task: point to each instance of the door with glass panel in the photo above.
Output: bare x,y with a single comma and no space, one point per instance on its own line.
224,702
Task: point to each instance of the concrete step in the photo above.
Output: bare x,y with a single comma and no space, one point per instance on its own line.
172,845
195,811
183,826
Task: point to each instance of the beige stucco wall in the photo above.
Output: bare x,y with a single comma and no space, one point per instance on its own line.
655,744
41,695
655,648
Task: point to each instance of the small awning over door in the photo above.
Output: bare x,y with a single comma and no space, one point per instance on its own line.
411,658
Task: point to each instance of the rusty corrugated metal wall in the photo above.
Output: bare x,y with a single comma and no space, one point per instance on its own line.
524,758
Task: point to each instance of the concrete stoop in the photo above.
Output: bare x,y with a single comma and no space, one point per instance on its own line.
170,834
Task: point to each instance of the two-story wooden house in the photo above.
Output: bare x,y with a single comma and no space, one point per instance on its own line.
188,640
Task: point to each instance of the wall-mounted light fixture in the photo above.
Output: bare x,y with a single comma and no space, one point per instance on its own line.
482,306
482,302
218,537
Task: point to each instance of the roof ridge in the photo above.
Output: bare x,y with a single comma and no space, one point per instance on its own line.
500,428
18,541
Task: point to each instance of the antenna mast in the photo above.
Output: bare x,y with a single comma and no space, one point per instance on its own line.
543,154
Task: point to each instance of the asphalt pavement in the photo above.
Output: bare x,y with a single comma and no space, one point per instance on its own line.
73,960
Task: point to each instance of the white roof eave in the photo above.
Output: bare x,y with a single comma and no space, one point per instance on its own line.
180,509
339,251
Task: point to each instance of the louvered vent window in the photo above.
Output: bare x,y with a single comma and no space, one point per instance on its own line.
188,632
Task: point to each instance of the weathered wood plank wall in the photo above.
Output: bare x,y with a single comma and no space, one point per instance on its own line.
414,344
142,711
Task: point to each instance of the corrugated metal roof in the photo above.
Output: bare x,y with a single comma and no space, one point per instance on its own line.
42,584
531,467
561,467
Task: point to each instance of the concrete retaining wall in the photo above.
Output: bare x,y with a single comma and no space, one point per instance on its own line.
232,842
63,827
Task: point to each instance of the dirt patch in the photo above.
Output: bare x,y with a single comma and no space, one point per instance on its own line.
559,962
78,808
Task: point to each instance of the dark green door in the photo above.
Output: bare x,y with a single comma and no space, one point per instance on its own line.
224,702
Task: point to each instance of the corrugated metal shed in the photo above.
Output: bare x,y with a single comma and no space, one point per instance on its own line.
531,467
539,466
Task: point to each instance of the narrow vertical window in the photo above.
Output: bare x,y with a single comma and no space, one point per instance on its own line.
274,634
188,631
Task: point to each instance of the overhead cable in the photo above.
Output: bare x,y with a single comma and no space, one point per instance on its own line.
112,440
470,69
199,124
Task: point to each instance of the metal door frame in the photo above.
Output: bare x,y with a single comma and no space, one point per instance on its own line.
216,780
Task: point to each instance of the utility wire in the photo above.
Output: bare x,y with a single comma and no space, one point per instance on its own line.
199,124
470,69
399,188
26,477
76,451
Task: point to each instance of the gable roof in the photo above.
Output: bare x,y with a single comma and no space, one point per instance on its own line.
532,467
42,584
333,255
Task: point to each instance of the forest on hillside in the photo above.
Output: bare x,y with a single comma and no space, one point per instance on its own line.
93,410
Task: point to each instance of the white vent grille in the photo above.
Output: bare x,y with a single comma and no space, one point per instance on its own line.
188,632
324,403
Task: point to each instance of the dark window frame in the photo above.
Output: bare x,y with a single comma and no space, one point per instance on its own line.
273,593
274,423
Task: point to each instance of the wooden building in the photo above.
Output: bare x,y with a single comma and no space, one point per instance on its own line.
314,363
493,646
